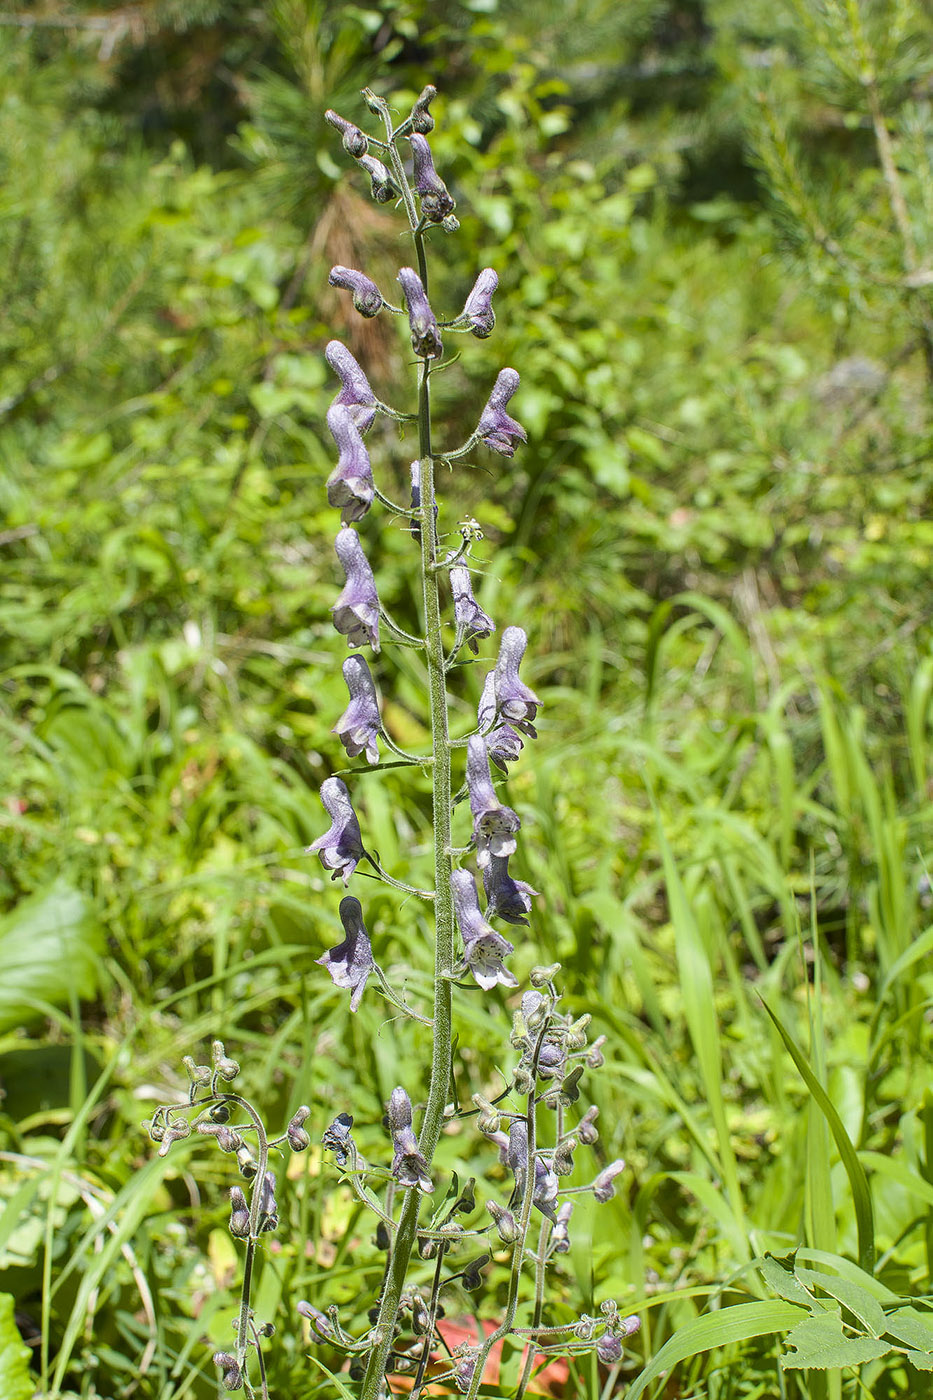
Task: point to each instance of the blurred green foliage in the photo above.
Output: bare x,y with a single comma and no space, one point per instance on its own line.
713,230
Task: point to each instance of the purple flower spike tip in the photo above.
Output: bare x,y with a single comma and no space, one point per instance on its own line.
341,847
425,336
494,826
358,726
467,612
483,948
367,297
356,394
356,611
436,200
506,898
350,962
478,307
350,485
496,429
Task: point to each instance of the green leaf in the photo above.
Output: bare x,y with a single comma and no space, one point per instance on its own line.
820,1344
852,1296
913,1327
50,947
737,1324
15,1378
861,1192
780,1275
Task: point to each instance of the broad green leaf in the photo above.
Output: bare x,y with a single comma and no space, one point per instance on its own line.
736,1324
913,1327
782,1278
820,1344
851,1295
15,1377
50,946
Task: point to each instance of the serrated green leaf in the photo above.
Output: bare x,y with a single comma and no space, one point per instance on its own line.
15,1379
779,1275
922,1360
735,1324
911,1326
820,1344
851,1295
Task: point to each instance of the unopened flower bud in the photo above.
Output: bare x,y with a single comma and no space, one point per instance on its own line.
421,119
355,142
175,1129
506,1224
225,1067
227,1139
569,1088
576,1034
551,1059
463,1376
367,297
220,1113
155,1128
239,1214
247,1163
587,1130
535,1007
425,335
382,185
560,1240
420,1317
298,1139
518,1036
451,1233
478,306
382,1238
603,1188
609,1349
472,1278
320,1324
540,975
488,1120
595,1058
450,224
198,1074
522,1080
562,1160
268,1210
585,1328
266,1329
230,1374
436,200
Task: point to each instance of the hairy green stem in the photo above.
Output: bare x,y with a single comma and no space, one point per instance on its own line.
443,899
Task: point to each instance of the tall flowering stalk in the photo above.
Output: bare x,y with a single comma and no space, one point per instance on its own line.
534,1126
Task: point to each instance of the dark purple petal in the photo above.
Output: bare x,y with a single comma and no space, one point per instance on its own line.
350,962
350,484
367,297
467,612
340,848
496,429
336,1137
356,393
483,948
506,898
356,611
358,726
408,1165
425,336
436,200
494,826
355,141
478,307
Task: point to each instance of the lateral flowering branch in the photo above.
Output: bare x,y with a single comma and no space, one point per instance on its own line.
536,1128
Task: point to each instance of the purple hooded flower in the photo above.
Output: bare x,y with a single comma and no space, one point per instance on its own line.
358,726
478,306
367,297
609,1349
496,429
514,701
560,1240
356,394
382,185
467,612
603,1188
421,119
425,336
350,484
436,200
340,848
506,898
408,1165
544,1196
494,826
355,142
503,743
350,962
483,948
356,611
